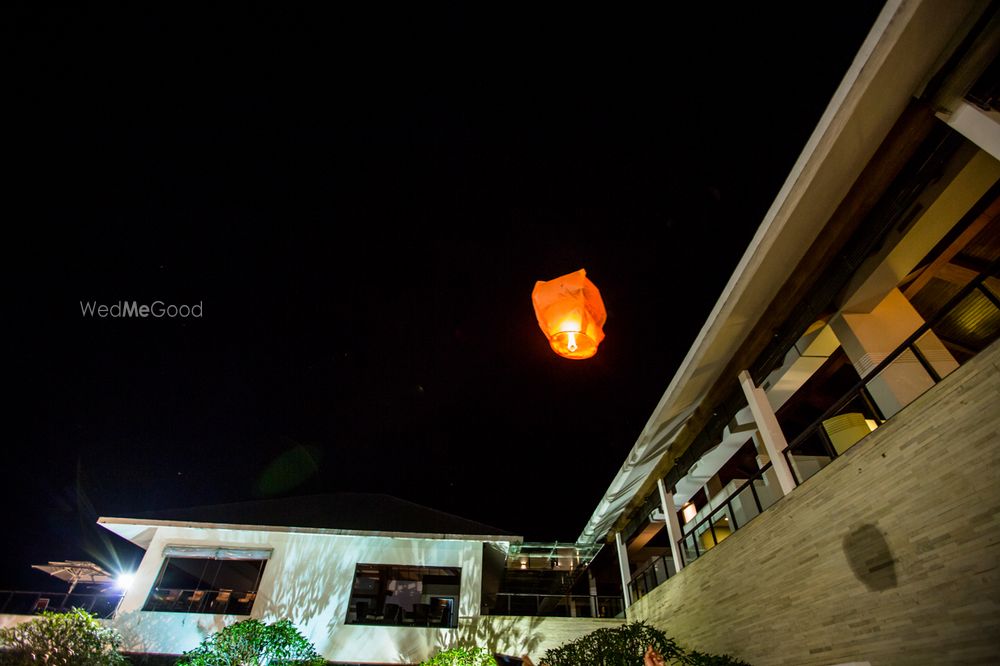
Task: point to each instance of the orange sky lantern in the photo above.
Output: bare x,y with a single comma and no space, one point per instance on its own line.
571,314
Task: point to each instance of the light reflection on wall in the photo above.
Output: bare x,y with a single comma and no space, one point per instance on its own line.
308,580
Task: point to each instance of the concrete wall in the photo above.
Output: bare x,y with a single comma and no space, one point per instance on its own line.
504,634
526,635
889,555
308,580
9,620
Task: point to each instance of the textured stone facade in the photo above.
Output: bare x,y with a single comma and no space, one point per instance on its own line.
889,555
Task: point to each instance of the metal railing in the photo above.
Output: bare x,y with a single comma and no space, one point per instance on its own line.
737,509
859,399
725,519
16,602
556,605
652,575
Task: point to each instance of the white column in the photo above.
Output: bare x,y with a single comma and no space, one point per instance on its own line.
625,571
673,525
593,593
770,432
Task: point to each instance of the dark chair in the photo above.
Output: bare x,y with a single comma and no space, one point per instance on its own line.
440,613
360,611
391,614
421,614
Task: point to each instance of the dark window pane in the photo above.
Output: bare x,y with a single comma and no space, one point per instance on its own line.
206,585
184,573
238,575
405,596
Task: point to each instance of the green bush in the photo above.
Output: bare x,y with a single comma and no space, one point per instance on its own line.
254,643
620,646
625,646
476,656
72,638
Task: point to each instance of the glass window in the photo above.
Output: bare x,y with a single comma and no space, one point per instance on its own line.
400,595
225,584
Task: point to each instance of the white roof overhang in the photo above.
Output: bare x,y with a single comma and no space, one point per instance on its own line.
907,43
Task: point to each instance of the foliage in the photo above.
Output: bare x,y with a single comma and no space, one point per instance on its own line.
476,656
72,638
625,646
695,658
620,646
254,643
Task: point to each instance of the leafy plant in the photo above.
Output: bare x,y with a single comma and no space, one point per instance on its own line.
476,656
71,638
620,646
625,646
254,643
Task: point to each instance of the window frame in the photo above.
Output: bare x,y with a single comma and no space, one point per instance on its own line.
438,611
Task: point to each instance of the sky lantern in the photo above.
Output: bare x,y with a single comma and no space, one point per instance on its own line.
571,314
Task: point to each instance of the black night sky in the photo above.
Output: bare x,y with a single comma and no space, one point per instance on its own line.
362,202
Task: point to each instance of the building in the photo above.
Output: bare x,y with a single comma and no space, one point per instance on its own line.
818,483
366,577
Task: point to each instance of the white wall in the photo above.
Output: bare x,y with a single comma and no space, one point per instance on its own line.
307,580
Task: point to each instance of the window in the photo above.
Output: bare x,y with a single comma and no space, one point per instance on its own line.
207,580
404,595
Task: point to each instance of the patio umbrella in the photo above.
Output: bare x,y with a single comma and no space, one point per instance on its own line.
75,571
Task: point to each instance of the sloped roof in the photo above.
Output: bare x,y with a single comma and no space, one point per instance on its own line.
342,512
901,52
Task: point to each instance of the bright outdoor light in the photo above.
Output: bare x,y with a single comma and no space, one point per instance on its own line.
124,580
571,314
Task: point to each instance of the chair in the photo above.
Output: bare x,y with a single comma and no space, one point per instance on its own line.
221,601
391,614
421,614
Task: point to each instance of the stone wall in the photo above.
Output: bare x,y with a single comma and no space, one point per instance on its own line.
889,555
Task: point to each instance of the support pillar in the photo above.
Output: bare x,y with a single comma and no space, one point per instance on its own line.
594,608
673,525
625,571
770,432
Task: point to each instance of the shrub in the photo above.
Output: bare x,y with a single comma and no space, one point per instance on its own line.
619,646
254,643
72,638
476,656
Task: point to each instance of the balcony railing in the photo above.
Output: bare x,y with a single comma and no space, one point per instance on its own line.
744,504
557,605
101,604
813,449
653,574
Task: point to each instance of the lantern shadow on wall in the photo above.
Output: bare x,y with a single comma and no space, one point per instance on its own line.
571,314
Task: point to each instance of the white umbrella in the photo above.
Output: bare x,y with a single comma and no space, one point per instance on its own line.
75,571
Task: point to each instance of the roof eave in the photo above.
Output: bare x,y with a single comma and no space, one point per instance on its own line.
138,530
